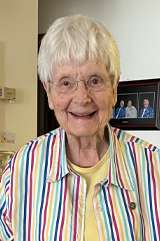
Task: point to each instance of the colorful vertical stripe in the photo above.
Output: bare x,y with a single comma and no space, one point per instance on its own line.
41,198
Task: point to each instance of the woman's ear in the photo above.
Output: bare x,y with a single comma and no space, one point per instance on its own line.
49,96
44,86
114,101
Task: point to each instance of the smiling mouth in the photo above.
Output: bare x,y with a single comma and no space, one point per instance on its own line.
82,115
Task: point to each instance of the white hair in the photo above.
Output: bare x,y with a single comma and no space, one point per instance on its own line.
75,40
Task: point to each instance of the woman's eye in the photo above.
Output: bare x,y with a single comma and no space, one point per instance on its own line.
95,81
65,83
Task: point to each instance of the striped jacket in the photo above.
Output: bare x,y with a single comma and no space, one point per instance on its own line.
42,199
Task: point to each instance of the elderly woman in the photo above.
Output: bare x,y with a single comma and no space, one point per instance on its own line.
85,180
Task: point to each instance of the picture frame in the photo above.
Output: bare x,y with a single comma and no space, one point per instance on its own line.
138,105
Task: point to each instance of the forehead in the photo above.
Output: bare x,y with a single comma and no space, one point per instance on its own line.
89,68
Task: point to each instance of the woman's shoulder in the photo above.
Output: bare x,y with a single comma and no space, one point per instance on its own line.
128,139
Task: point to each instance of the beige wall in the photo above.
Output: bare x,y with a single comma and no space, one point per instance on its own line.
18,69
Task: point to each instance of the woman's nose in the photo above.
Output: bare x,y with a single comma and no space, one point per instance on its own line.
81,94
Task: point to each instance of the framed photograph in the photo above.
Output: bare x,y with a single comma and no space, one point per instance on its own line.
138,105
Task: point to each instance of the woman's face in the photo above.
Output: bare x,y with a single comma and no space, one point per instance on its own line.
82,113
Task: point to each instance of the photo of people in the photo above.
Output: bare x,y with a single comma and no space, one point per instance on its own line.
138,105
131,111
126,106
120,111
135,105
146,104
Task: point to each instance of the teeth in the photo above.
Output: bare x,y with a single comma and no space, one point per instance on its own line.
87,115
81,115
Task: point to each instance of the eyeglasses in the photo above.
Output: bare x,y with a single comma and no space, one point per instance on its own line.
68,85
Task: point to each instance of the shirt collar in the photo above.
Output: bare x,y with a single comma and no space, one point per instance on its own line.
59,163
118,174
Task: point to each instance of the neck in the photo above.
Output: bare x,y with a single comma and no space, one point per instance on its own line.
86,151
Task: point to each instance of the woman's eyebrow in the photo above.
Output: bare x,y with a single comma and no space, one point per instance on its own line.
62,75
98,73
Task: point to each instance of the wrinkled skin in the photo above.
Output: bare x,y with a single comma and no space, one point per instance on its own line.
73,110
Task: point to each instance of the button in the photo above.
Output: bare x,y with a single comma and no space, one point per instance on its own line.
100,209
132,205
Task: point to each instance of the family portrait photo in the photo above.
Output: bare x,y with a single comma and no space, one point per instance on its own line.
138,105
135,105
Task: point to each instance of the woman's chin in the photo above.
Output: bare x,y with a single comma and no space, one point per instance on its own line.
84,131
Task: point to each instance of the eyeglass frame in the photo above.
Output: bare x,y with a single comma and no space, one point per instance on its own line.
76,86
